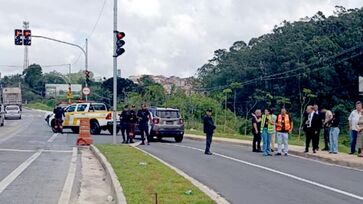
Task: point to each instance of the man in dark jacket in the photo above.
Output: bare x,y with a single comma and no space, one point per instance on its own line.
312,125
144,118
209,128
124,123
132,121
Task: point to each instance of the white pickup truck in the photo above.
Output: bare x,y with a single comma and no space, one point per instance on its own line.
98,113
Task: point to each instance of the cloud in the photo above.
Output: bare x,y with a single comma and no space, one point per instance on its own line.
169,37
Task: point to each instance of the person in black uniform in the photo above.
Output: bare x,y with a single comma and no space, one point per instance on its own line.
58,116
132,122
209,127
124,123
144,118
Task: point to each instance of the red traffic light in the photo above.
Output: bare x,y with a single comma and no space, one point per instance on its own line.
18,32
120,35
27,33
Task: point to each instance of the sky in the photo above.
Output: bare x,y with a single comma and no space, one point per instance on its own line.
166,37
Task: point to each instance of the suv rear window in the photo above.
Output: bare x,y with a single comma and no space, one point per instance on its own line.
12,108
167,114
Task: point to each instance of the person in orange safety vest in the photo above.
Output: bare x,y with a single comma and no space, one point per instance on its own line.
284,127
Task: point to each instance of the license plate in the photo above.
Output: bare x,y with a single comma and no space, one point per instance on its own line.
169,123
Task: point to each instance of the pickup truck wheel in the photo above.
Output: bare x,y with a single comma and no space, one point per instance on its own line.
110,130
75,130
178,138
95,128
2,124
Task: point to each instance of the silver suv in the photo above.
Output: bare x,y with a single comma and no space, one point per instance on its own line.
167,122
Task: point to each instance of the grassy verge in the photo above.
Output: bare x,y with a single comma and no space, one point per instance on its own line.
293,139
141,176
39,106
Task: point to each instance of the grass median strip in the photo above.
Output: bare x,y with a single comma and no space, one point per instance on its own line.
142,177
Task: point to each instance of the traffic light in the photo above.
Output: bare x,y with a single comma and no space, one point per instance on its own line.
27,37
18,37
119,43
87,73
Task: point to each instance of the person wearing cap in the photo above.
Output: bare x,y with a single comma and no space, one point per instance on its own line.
144,118
209,127
132,120
124,123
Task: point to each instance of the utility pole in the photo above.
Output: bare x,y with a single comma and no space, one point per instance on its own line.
86,64
26,57
114,73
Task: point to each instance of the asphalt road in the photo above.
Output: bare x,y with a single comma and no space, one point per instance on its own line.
241,176
34,162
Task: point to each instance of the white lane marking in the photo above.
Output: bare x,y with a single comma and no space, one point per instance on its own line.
281,173
210,192
17,150
325,163
51,139
29,150
65,196
14,174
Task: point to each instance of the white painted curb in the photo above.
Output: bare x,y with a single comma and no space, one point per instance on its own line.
116,186
205,189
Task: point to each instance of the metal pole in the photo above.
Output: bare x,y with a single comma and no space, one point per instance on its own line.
114,73
86,64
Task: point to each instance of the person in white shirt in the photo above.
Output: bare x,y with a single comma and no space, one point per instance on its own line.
353,122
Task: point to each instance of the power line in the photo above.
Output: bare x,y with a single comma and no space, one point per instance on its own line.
93,29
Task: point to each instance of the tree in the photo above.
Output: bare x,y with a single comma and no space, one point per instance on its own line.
33,77
235,86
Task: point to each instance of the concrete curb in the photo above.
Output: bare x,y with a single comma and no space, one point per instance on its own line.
299,153
205,189
115,184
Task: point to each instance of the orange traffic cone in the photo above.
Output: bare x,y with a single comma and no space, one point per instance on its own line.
84,132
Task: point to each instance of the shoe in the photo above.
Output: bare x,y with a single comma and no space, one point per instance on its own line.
208,153
123,142
278,154
335,152
254,150
351,153
314,152
325,149
272,150
142,143
259,150
286,154
330,152
306,151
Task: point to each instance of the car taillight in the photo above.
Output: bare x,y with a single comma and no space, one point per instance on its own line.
109,116
181,121
156,121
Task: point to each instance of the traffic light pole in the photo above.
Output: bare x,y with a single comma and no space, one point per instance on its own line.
114,73
85,52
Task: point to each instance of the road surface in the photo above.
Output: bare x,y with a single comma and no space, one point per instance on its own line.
34,162
241,176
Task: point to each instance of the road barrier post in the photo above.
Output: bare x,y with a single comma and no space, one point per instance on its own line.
84,132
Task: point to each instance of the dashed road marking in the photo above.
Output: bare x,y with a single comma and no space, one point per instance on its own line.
14,174
279,172
51,139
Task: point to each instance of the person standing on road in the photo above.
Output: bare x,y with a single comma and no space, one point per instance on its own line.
353,121
58,119
256,130
284,127
328,116
311,127
144,118
208,127
132,121
360,135
334,132
267,128
124,123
